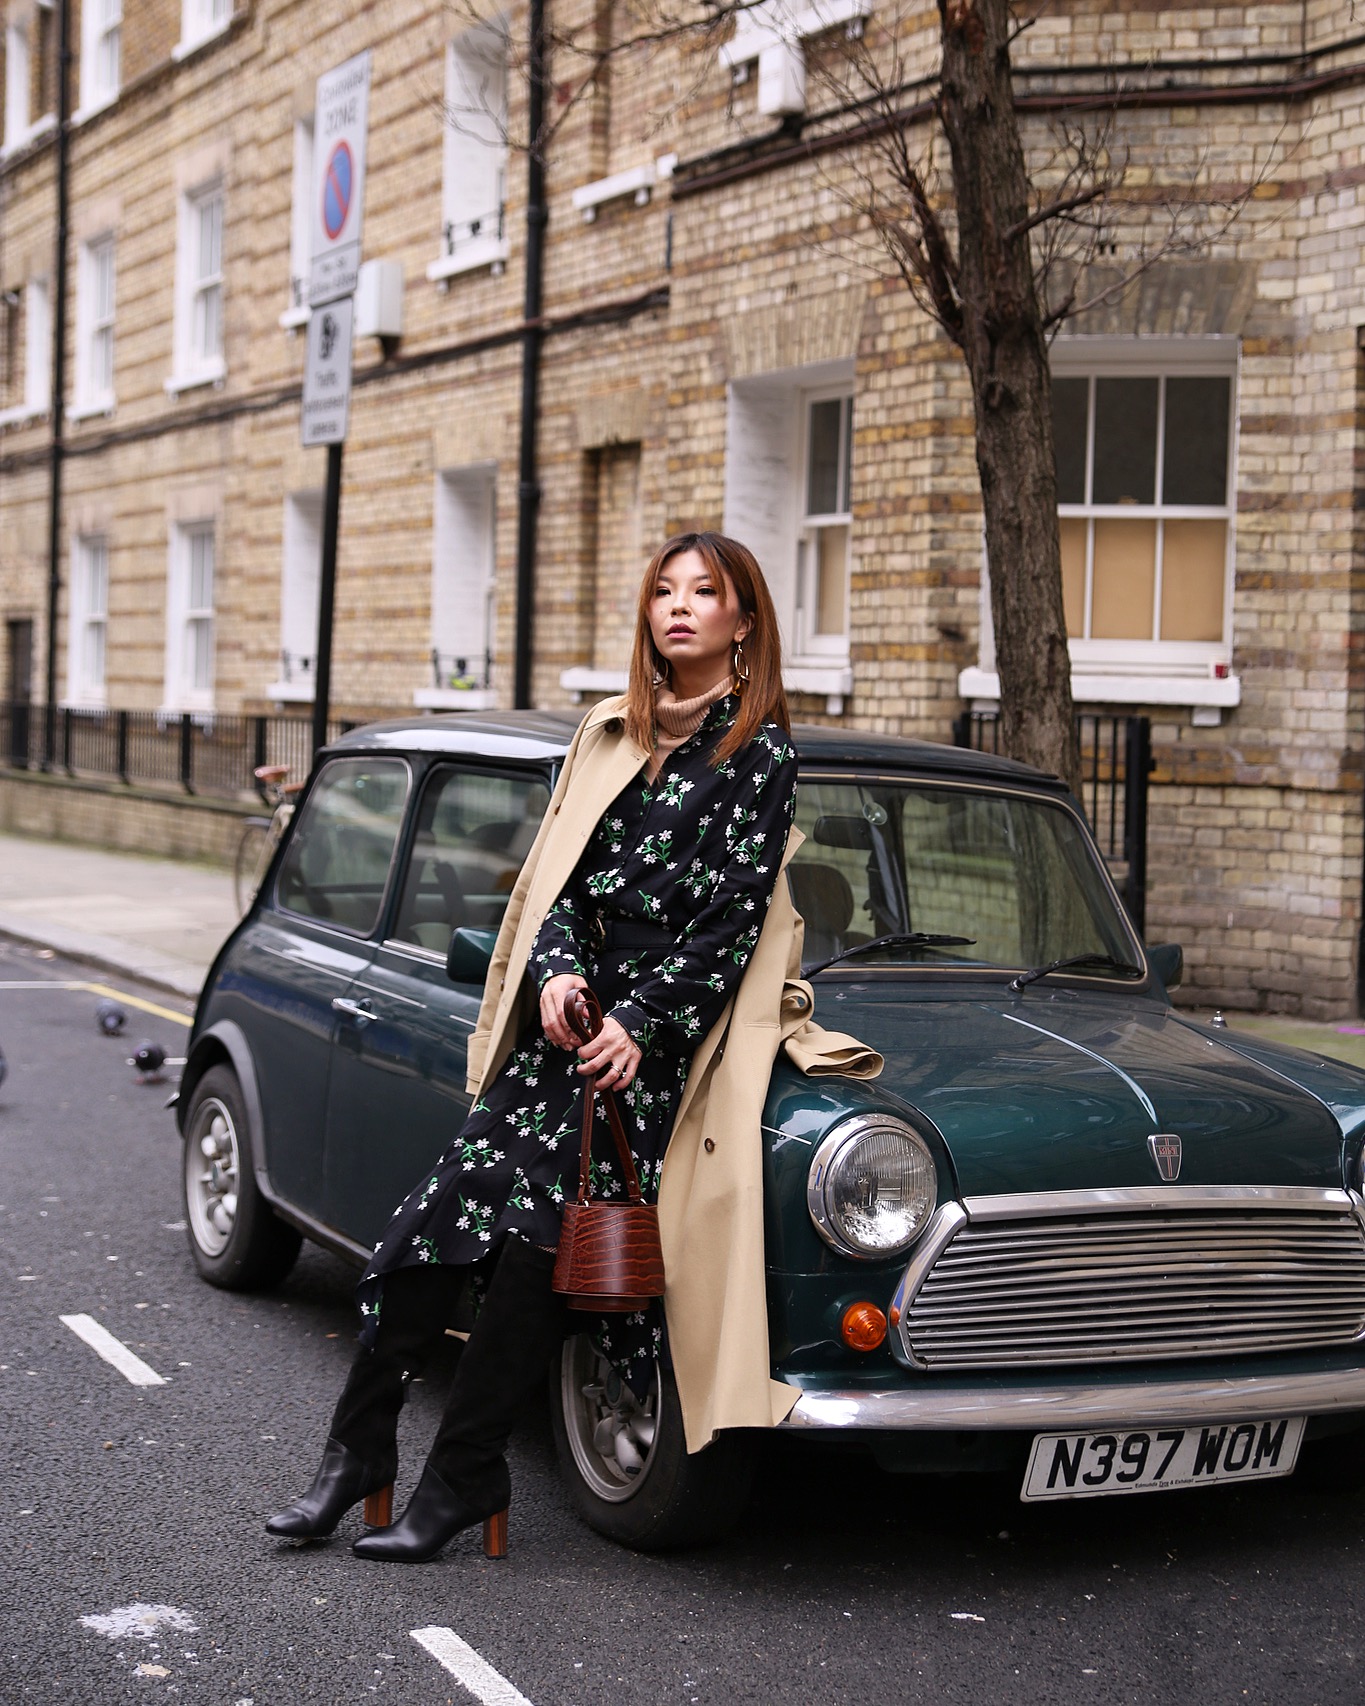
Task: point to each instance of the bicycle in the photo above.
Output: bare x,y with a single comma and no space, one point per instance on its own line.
262,835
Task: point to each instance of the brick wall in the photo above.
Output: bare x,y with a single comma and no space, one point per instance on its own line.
1257,820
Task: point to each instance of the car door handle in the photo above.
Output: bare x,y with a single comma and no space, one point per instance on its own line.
358,1010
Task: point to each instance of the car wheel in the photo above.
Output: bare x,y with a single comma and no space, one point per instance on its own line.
626,1462
236,1240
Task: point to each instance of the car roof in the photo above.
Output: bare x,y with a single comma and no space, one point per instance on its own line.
523,735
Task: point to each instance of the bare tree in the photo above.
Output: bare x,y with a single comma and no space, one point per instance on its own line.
996,254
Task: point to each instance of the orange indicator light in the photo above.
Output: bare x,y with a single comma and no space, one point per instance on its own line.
863,1326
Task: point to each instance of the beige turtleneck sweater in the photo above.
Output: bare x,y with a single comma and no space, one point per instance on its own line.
677,720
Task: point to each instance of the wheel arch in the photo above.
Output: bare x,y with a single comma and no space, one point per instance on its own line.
225,1044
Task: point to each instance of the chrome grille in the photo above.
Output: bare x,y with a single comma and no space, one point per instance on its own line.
1133,1287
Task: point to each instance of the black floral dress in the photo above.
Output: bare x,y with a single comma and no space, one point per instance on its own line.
695,854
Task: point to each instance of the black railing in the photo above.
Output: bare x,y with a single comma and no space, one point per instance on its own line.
1116,769
192,751
449,669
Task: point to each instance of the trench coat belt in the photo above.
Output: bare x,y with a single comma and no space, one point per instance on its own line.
611,930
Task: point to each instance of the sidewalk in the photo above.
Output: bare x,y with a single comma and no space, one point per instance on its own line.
155,919
163,921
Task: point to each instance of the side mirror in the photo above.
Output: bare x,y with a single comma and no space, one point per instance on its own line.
1168,962
469,955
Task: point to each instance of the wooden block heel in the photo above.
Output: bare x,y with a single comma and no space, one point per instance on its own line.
495,1535
378,1511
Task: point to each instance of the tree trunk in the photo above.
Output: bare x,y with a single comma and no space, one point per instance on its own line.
1006,352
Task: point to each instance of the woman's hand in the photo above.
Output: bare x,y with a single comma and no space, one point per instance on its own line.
614,1053
552,998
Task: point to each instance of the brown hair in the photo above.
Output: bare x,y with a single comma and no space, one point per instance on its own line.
761,697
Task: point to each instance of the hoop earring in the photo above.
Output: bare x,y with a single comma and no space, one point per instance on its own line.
660,676
741,668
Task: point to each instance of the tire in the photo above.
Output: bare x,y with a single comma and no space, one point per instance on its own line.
247,867
236,1240
626,1464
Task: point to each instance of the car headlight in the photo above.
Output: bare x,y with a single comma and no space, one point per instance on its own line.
872,1187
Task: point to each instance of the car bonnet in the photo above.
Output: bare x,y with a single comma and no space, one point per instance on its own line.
1062,1092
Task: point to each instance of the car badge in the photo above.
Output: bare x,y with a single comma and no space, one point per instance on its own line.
1165,1149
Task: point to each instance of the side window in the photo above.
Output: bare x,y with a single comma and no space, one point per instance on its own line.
473,831
337,863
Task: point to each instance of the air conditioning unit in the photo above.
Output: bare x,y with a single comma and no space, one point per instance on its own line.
782,79
379,300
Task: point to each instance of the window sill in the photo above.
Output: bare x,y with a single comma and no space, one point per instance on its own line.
1091,688
290,692
293,318
85,702
181,382
183,49
44,126
92,108
200,709
637,183
453,699
833,681
22,414
489,252
581,680
92,411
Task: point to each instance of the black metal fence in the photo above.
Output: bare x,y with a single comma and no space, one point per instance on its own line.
195,752
1116,769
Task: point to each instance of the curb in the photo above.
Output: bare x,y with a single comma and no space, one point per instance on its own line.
109,954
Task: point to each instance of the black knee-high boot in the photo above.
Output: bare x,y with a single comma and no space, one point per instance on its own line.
521,1325
361,1456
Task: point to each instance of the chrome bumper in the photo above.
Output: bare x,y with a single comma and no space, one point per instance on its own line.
1059,1408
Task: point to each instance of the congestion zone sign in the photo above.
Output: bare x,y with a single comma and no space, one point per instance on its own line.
340,123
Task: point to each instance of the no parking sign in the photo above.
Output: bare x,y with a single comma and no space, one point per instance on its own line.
340,121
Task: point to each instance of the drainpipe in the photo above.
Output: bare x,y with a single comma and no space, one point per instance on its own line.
54,513
528,485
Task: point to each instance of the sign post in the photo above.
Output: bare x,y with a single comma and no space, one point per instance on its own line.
340,125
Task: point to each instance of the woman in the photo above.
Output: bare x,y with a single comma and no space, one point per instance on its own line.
660,913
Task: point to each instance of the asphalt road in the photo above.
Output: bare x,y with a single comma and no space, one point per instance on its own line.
845,1585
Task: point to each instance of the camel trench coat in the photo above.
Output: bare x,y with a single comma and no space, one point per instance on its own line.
711,1192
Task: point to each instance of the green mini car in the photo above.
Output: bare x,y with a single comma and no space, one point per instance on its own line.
1069,1232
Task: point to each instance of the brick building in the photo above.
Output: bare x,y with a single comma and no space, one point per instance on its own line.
717,351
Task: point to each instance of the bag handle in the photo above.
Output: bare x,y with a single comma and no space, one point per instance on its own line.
583,1014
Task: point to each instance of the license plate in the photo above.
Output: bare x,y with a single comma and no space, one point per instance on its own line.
1086,1466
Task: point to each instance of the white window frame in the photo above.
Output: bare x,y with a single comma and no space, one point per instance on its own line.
300,583
300,225
95,309
463,589
474,153
806,642
37,347
18,83
101,55
765,506
185,621
1154,671
88,623
201,21
195,365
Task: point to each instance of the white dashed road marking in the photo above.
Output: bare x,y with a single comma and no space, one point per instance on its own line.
465,1665
103,1343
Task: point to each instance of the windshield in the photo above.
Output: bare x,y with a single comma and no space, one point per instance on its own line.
1014,874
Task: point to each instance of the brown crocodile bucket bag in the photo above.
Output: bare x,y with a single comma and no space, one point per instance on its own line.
610,1260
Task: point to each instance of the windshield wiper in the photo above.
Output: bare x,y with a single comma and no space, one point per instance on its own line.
912,939
1120,966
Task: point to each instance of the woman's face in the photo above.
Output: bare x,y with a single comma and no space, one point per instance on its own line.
693,630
